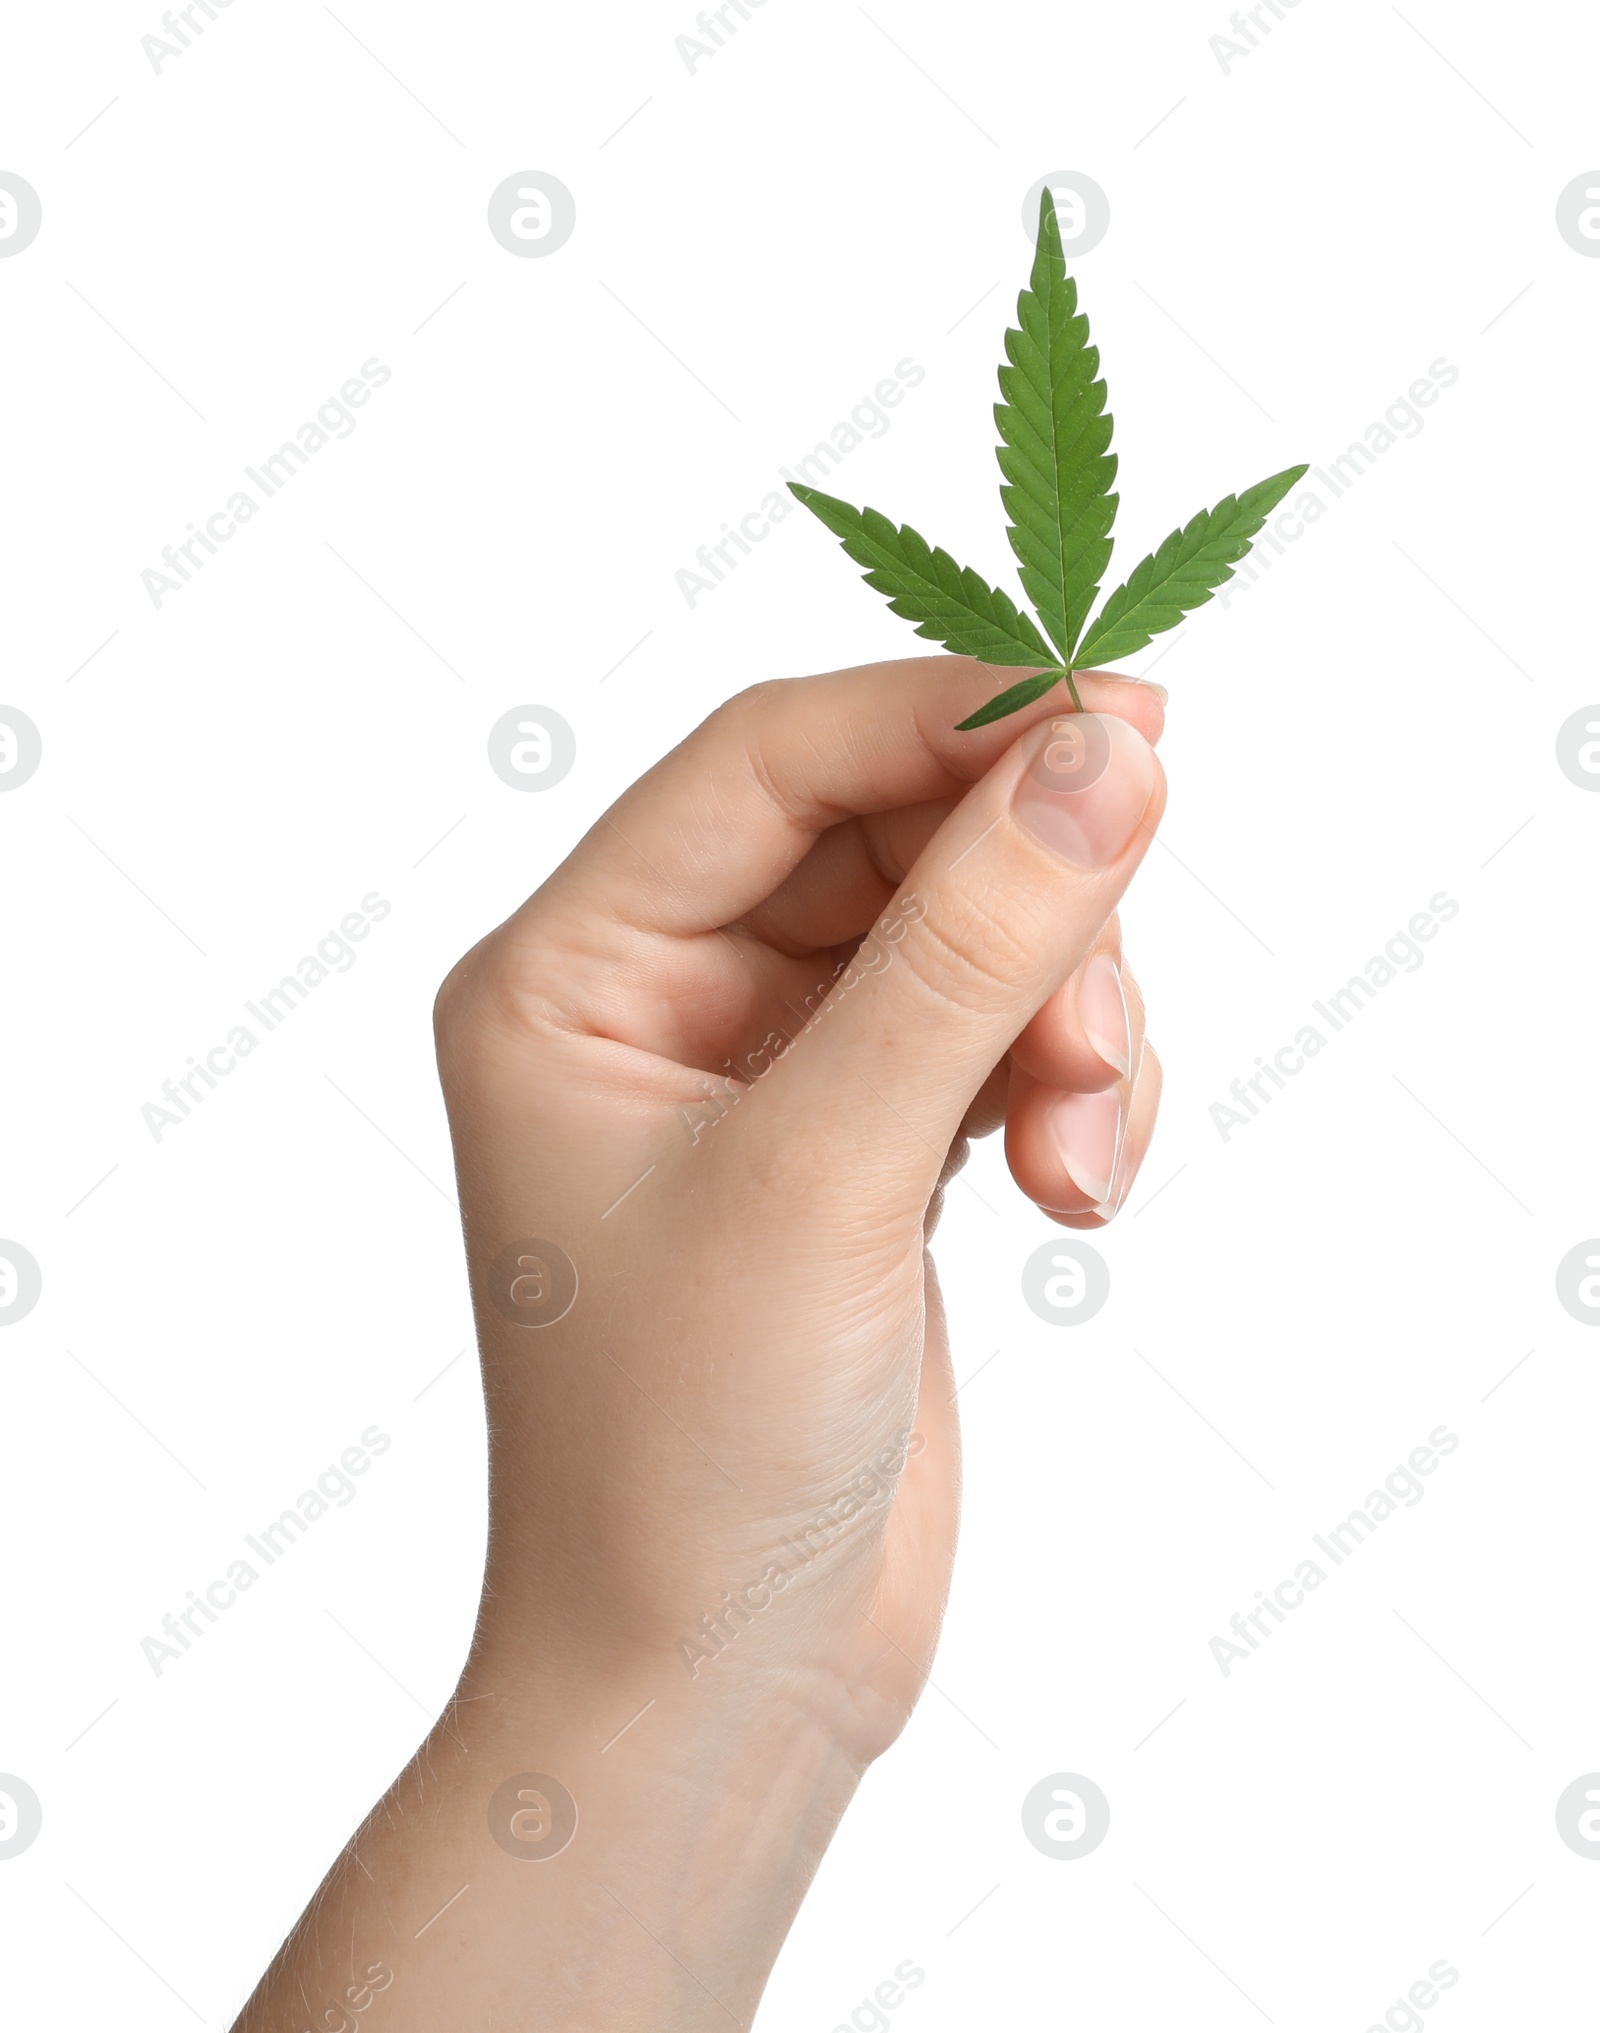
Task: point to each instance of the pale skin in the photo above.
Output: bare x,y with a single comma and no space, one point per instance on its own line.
754,1373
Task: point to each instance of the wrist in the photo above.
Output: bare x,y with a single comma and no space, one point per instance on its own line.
649,1848
575,1852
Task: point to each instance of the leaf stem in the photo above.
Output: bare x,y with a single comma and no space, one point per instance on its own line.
1077,703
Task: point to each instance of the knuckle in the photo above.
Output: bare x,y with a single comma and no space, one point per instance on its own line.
967,958
759,724
753,707
450,1003
489,993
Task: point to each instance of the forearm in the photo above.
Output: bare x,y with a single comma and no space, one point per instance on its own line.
699,1824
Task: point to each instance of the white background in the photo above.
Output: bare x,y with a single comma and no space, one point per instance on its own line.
225,777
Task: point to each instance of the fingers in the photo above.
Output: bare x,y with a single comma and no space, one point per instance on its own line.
1005,902
850,873
1091,1031
847,879
1077,1154
721,822
987,1110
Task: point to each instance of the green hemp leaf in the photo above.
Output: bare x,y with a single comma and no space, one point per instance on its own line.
1054,453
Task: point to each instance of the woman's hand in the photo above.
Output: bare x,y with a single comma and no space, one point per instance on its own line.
707,1087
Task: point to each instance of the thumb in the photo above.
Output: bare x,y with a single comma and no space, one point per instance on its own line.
1002,905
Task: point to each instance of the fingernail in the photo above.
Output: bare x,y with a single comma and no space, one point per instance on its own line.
1122,1179
1122,1176
1087,1130
1085,786
1102,1010
1160,691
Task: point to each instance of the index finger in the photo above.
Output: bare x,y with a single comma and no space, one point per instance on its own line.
716,825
